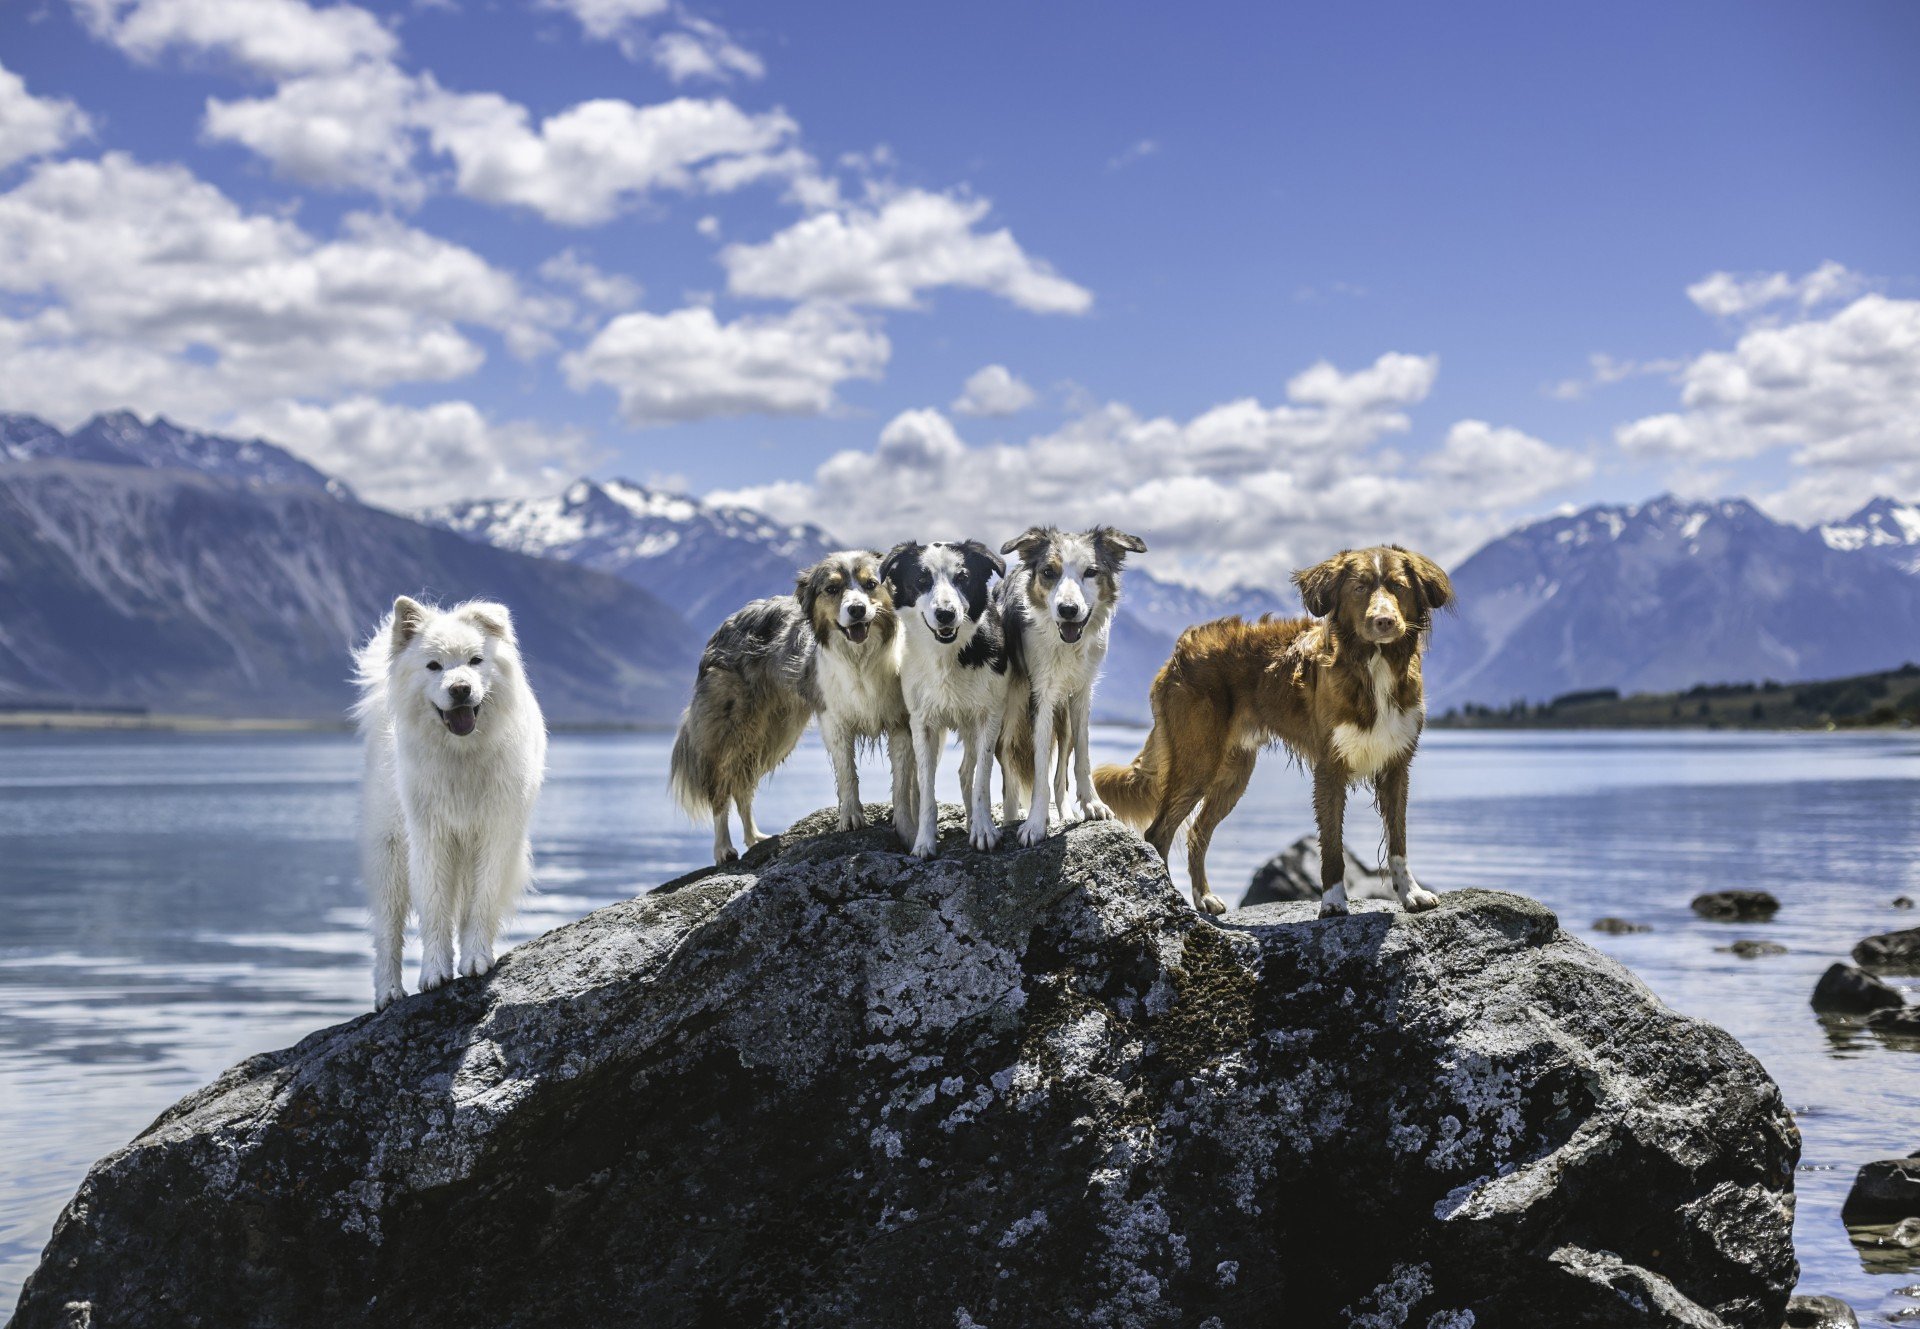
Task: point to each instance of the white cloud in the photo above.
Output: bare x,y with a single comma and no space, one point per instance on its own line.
688,365
1605,371
606,20
1242,492
143,286
33,126
609,290
994,390
406,457
1727,295
699,48
353,129
276,38
885,255
1133,152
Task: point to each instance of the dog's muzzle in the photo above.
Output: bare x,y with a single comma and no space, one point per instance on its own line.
1070,630
856,632
946,635
460,720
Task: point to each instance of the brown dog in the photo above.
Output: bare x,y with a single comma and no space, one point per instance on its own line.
1341,692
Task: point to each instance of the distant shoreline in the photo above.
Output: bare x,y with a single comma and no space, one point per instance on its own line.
138,722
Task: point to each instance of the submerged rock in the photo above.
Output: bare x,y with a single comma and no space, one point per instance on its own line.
832,1085
1294,874
1847,990
1618,926
1884,1192
1748,949
1903,1021
1890,950
1736,906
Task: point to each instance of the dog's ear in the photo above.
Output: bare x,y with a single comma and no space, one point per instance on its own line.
893,565
986,555
490,617
806,590
1320,585
409,616
1027,544
1114,546
1430,577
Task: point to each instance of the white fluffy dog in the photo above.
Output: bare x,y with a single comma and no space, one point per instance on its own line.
456,750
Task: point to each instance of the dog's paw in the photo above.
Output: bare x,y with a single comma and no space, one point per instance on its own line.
1418,900
434,974
1032,833
477,964
384,997
721,857
984,836
1092,809
1333,909
923,847
852,818
1210,903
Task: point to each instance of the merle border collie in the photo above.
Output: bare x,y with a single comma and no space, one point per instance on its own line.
831,650
1057,606
1341,691
953,672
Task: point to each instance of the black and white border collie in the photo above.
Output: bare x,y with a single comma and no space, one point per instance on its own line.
1057,607
953,671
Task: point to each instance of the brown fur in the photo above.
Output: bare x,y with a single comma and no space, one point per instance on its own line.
1232,687
821,587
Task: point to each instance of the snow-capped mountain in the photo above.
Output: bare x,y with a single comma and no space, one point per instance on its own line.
705,560
118,438
1884,527
1662,595
1170,607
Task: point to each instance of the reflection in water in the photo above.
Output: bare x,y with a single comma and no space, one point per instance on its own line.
175,903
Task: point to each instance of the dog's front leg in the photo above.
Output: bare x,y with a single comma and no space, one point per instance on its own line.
500,873
384,866
1034,829
1080,715
433,865
982,831
1391,792
905,784
846,775
927,739
1330,811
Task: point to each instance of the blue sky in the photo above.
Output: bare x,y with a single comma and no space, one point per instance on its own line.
1273,278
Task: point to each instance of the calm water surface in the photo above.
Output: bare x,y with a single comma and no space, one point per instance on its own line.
175,903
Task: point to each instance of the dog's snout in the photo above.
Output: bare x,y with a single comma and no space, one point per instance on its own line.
1383,623
461,692
1069,612
856,612
944,616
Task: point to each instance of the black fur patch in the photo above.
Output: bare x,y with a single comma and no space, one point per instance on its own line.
987,646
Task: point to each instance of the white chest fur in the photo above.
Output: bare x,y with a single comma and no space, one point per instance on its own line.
1058,669
940,690
1366,751
860,687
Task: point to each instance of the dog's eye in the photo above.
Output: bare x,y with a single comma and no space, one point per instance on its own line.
476,660
869,584
1090,572
434,665
926,581
1049,574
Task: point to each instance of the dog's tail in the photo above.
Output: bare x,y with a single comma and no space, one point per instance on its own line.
1133,790
690,772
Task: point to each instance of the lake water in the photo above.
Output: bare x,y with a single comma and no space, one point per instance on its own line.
174,903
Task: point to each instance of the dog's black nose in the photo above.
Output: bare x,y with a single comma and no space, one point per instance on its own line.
460,691
1382,623
856,612
944,617
1069,612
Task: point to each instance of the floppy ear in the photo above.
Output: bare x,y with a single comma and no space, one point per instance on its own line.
1320,585
895,562
1114,545
1432,578
409,616
998,563
805,591
492,619
1027,543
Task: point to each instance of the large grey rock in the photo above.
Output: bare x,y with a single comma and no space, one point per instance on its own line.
1849,991
1820,1313
1898,951
1884,1191
1294,874
832,1085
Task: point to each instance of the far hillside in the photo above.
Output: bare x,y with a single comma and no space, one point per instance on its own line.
1891,697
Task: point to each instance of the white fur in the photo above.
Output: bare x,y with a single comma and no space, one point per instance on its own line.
1367,751
444,817
941,695
860,698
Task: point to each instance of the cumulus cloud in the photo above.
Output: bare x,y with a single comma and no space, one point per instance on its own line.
688,365
993,390
33,126
1839,395
887,253
609,290
275,38
1726,295
355,129
145,286
406,457
1242,492
701,49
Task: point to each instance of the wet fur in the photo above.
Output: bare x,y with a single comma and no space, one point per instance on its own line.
444,816
1347,706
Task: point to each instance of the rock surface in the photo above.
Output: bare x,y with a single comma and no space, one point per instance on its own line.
1847,990
833,1086
1891,950
1619,926
1736,906
1884,1192
1294,874
1820,1313
1903,1021
1749,949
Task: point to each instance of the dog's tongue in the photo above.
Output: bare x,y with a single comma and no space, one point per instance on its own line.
856,632
460,720
1070,632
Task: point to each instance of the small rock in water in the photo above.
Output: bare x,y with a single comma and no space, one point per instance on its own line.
1903,1021
1846,989
1294,874
1903,902
1891,950
1736,906
1618,925
1747,949
1905,1235
1820,1313
1885,1190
